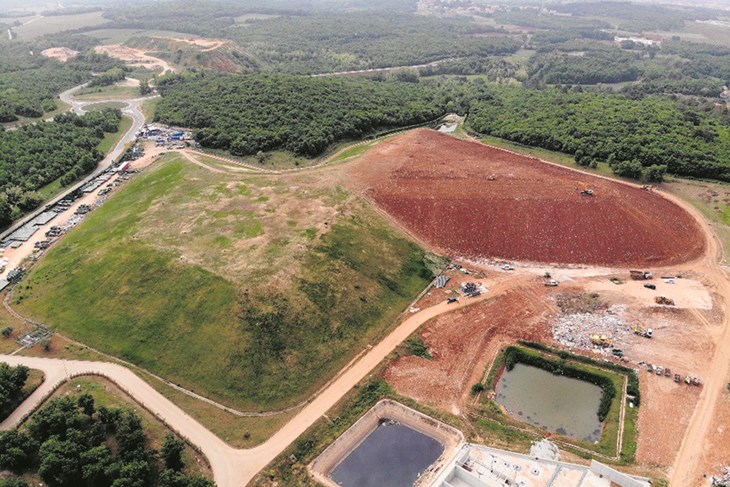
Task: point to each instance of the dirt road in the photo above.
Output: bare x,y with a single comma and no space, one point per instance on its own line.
688,469
231,467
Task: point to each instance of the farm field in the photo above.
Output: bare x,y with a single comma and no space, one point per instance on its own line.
38,26
180,271
515,207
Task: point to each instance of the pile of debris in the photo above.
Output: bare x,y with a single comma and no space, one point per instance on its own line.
723,479
591,331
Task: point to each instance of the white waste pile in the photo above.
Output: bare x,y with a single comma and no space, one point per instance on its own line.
575,330
723,479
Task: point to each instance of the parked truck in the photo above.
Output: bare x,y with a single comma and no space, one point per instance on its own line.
641,275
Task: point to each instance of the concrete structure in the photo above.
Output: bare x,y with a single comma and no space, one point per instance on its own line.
481,466
24,233
448,436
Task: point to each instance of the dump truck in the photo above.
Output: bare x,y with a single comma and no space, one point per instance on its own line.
664,300
641,275
642,332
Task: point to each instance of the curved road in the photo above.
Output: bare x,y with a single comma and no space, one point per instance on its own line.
231,467
133,109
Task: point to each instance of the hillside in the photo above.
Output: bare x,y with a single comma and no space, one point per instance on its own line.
229,285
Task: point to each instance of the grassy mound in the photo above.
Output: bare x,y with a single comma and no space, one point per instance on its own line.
250,290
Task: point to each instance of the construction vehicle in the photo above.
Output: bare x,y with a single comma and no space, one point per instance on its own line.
585,190
643,333
641,275
601,340
664,300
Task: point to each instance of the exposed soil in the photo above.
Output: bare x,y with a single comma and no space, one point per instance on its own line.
464,342
664,414
468,199
63,54
135,57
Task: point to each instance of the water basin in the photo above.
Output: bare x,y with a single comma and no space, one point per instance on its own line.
393,455
559,404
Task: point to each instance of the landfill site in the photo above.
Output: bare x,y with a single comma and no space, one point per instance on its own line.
634,284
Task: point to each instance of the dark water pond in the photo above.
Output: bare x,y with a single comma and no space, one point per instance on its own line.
393,455
560,404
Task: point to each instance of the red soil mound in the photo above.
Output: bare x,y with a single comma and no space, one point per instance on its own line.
467,199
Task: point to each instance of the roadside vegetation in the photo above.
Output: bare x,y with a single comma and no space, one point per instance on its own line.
36,155
30,83
73,442
229,285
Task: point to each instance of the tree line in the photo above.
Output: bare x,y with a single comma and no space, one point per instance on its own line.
638,138
72,443
30,82
12,381
38,154
303,115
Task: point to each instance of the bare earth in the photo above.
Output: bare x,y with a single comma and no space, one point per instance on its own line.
468,199
135,57
63,54
683,427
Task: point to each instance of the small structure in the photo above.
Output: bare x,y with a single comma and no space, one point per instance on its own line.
441,281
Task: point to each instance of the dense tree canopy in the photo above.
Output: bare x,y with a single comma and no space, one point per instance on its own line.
30,83
38,154
12,380
629,134
69,447
247,114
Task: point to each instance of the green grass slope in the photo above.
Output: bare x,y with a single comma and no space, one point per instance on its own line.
257,319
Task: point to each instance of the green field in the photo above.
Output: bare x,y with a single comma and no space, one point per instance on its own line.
120,36
37,26
251,290
107,92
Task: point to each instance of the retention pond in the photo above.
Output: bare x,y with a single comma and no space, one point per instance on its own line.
393,455
560,404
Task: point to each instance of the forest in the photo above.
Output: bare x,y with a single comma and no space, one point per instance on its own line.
38,154
637,17
304,115
638,138
12,381
343,42
311,39
600,67
72,443
30,83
